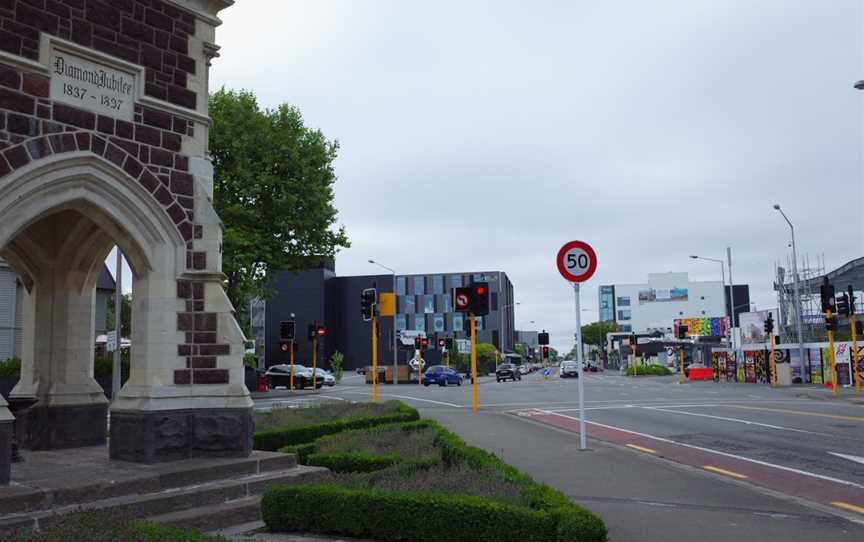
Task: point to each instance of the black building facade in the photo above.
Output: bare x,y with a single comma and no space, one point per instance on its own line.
423,304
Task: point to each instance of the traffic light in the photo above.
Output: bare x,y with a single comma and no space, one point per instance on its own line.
442,344
843,304
473,299
851,300
826,293
368,302
284,345
417,344
831,323
320,331
682,331
545,352
543,338
286,330
424,343
310,332
769,324
480,298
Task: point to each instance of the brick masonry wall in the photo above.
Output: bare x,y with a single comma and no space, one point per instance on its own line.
151,33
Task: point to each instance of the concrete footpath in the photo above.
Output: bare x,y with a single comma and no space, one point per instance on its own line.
643,498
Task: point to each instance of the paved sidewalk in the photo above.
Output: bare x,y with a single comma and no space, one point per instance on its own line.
642,498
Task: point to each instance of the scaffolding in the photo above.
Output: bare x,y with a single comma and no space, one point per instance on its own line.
810,308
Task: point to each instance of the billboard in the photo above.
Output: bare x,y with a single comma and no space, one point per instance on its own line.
753,326
705,326
652,295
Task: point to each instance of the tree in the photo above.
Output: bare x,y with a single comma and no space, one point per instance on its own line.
594,334
125,315
273,189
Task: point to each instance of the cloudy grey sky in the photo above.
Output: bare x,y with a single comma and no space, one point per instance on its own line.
484,134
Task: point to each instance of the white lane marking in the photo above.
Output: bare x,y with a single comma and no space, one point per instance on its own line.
738,420
854,458
408,398
718,452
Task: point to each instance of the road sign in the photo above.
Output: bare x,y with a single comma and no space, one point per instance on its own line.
576,261
111,341
546,372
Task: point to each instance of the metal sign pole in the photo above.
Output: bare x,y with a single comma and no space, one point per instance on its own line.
581,384
116,366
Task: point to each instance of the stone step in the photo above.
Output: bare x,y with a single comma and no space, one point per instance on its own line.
219,516
113,479
203,496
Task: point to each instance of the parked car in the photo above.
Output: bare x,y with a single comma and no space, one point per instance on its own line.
329,379
362,370
441,375
569,368
280,375
507,371
523,370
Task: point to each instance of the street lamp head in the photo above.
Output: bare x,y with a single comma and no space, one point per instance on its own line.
776,206
694,257
371,261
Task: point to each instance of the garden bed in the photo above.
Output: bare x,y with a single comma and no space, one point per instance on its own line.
437,486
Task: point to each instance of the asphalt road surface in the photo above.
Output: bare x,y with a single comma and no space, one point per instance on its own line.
735,459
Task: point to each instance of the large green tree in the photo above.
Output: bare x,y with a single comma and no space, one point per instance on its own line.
273,189
594,334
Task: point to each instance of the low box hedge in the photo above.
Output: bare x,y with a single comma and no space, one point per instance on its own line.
279,438
365,462
398,516
648,370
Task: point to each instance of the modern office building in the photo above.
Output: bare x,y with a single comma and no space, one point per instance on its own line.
654,305
11,313
424,304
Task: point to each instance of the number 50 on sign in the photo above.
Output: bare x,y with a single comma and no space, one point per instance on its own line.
577,261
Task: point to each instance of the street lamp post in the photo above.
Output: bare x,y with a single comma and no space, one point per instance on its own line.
395,352
797,290
722,278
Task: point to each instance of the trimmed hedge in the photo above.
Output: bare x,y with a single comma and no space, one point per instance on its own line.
332,509
648,370
279,438
421,517
364,462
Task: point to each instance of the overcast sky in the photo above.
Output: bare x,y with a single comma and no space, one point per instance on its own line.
481,135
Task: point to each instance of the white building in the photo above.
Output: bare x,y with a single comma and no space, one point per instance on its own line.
655,304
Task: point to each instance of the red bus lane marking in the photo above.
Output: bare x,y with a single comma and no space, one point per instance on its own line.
814,487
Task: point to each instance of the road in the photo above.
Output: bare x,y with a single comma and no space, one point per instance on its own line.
731,455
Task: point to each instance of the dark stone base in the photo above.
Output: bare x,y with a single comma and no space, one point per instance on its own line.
56,427
5,451
169,435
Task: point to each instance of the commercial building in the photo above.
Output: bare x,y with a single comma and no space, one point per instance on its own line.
11,309
423,304
665,297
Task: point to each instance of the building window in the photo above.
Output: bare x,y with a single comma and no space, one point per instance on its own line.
604,302
400,285
624,314
419,285
624,301
455,281
478,322
438,323
428,304
458,322
419,322
626,327
408,304
438,284
400,322
446,303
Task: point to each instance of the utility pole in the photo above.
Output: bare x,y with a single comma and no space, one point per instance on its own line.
797,299
732,302
829,318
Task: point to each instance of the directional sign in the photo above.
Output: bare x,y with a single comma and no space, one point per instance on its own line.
112,341
576,261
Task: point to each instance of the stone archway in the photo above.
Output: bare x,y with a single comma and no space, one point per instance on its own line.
62,216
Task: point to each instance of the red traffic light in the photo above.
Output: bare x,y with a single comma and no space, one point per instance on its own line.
480,290
424,343
320,331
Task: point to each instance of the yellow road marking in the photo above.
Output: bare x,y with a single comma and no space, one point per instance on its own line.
847,506
726,472
641,449
817,414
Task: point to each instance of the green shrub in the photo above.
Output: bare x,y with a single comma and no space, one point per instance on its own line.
11,368
421,516
365,462
284,418
302,451
249,360
648,370
104,366
278,438
336,362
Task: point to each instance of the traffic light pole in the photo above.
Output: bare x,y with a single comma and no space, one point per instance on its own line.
291,378
681,375
374,358
773,361
314,362
856,356
831,354
471,322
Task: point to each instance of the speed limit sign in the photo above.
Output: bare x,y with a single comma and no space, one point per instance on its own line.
577,261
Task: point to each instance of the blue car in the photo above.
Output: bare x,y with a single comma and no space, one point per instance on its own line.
441,375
